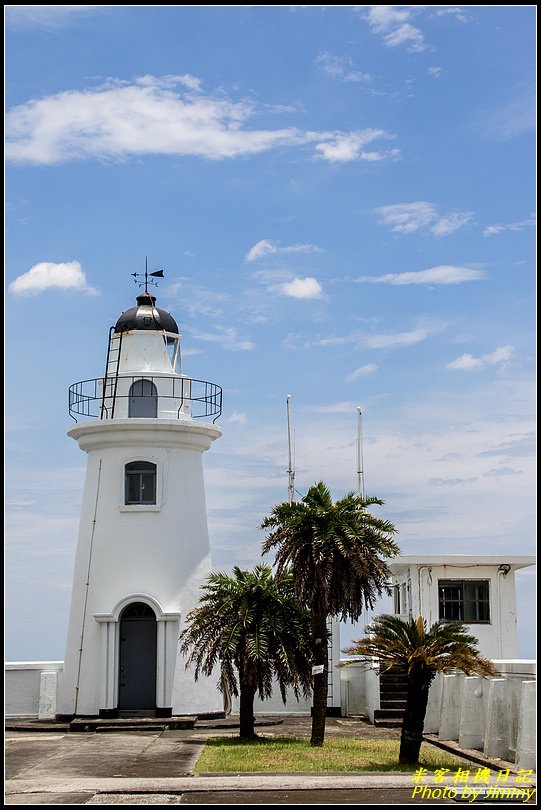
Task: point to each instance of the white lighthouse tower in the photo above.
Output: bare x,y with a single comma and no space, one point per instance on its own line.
143,549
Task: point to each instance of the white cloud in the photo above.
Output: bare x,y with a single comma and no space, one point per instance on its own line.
498,472
343,147
382,340
300,288
406,34
444,274
434,71
159,116
340,67
266,247
51,18
456,11
450,223
514,116
467,362
392,22
392,339
491,230
521,445
238,418
226,336
191,82
363,371
148,116
334,407
47,275
421,216
450,482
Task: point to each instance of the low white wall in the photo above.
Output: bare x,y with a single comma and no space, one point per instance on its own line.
31,688
353,689
494,715
372,692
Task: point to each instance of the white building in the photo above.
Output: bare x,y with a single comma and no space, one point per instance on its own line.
143,548
474,589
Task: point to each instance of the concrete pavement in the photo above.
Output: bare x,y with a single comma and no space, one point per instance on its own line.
61,767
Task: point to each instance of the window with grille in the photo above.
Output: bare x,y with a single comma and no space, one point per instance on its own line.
464,600
140,483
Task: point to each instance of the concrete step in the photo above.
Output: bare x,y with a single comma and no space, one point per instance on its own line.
393,677
396,723
391,704
394,688
394,673
94,724
388,714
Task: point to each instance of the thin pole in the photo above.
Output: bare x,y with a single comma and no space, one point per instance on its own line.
290,471
87,586
360,462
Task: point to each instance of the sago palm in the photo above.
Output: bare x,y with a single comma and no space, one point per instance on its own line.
421,653
251,626
335,552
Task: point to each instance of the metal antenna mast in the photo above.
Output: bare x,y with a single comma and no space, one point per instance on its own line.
360,462
291,471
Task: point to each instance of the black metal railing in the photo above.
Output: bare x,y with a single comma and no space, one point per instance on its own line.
91,398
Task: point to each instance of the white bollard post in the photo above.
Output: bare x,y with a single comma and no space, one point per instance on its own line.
47,695
498,719
472,719
525,757
450,707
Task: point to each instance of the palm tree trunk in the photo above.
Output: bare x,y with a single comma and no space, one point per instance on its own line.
246,711
414,718
321,682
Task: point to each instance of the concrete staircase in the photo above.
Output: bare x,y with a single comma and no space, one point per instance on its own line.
393,691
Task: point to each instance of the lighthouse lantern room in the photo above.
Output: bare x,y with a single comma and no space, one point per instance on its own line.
143,548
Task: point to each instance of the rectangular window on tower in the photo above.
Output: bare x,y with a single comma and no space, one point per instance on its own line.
464,600
140,483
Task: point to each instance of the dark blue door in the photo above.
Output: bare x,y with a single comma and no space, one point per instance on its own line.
137,658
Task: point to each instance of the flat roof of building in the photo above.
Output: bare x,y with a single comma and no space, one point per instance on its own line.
515,561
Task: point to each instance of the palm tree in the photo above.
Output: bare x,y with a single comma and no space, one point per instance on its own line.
252,625
409,646
334,551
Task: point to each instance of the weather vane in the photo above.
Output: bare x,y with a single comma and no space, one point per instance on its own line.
146,282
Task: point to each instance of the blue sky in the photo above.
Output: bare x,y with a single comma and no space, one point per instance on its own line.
342,200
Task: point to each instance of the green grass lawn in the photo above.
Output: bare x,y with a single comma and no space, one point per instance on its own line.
287,755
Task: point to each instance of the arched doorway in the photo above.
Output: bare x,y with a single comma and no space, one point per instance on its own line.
143,401
137,658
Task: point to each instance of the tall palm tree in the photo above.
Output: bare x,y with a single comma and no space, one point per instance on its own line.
334,551
254,628
409,646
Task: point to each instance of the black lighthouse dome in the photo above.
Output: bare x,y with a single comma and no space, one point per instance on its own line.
146,316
